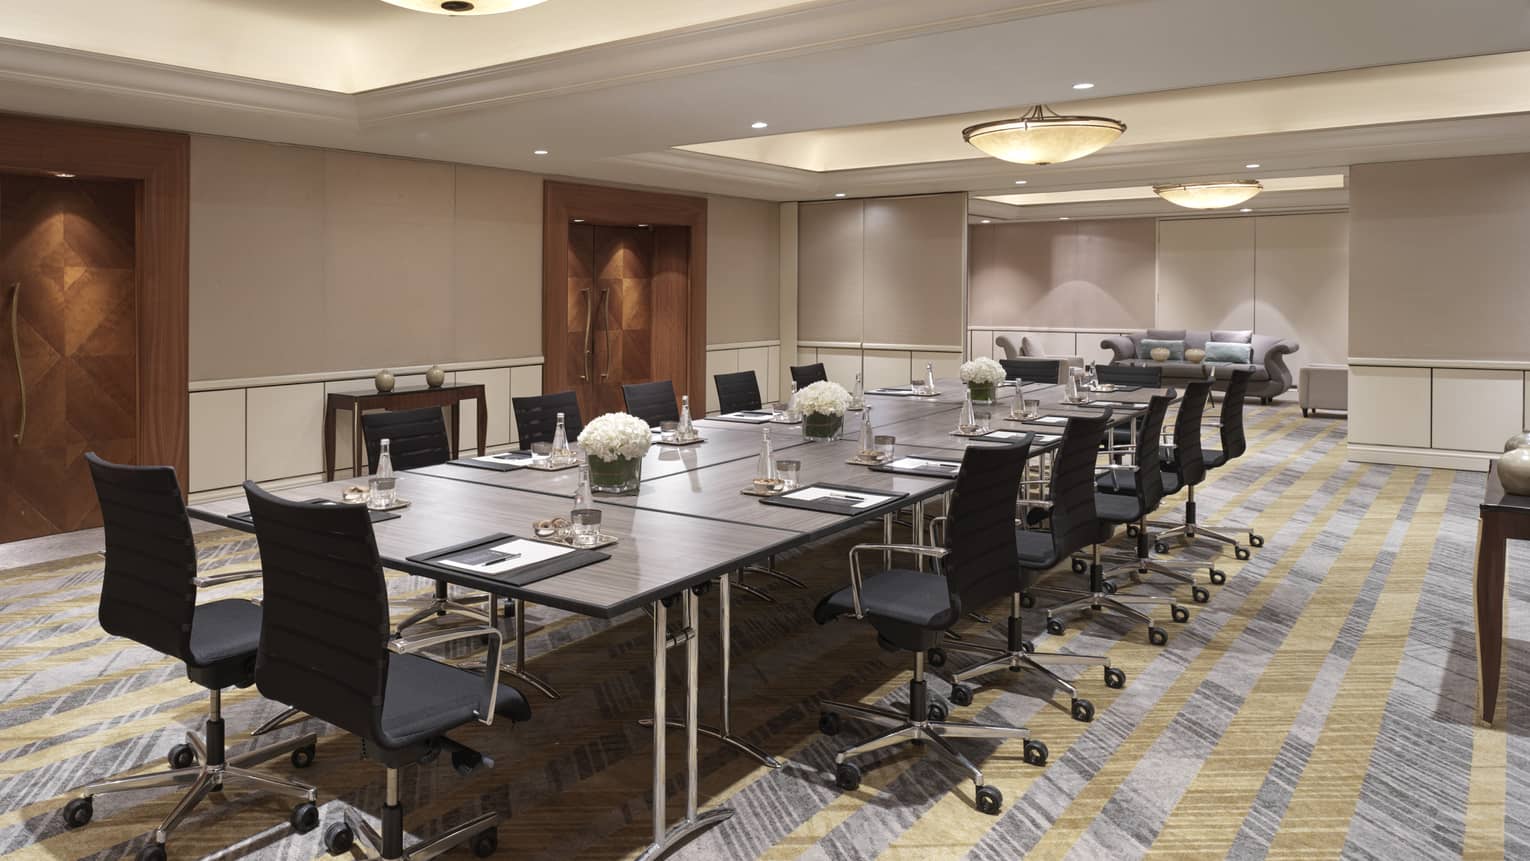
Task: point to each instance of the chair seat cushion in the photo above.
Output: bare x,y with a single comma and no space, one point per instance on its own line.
425,699
1117,508
1035,549
1213,457
910,609
1124,481
224,630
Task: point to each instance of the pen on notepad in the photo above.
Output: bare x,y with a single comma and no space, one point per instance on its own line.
845,498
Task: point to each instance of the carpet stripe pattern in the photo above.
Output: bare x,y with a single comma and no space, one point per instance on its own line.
1321,705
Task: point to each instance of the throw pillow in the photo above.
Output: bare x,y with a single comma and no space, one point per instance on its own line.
1232,336
1030,349
1176,348
1228,353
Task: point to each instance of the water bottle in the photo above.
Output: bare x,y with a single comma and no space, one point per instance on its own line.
383,485
858,397
929,380
584,519
966,422
868,436
766,468
791,404
686,430
561,453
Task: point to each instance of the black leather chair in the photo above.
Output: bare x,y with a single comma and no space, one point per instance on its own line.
1234,444
416,438
1130,375
652,402
149,595
912,610
1047,371
1072,529
326,647
536,417
806,375
735,392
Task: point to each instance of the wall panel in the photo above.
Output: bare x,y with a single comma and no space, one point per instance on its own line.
1206,273
914,269
1476,410
1390,406
1301,279
830,239
743,271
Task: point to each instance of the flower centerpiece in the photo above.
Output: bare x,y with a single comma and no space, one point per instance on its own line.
614,445
981,376
823,406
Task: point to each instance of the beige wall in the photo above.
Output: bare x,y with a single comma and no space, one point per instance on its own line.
1301,281
743,270
830,286
1086,274
1206,273
1441,265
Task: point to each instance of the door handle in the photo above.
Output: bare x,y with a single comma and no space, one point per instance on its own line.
605,301
589,335
21,381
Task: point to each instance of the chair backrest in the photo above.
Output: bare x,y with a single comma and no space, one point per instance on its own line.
1130,375
806,375
1148,456
652,402
1189,461
147,593
740,391
415,438
536,417
1234,443
980,529
324,622
1075,525
1033,370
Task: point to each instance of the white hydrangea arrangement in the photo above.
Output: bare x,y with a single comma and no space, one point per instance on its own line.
616,435
824,398
982,371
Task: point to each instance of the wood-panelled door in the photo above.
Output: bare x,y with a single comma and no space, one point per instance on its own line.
68,285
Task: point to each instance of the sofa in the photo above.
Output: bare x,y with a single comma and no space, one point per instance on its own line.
1270,376
1027,349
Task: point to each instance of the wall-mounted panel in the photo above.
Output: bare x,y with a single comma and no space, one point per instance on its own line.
841,365
496,383
888,368
1205,274
1062,274
496,264
830,243
284,427
217,439
1476,410
1390,406
1301,285
743,271
915,269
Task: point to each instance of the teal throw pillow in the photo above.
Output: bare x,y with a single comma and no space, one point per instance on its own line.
1147,345
1228,353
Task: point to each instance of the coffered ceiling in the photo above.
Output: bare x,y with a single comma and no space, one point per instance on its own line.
862,97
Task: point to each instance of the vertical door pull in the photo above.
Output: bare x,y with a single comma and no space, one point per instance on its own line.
21,382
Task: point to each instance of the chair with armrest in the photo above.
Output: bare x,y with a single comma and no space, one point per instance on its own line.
652,402
806,375
1072,529
416,438
735,392
1234,444
536,417
149,595
911,611
1047,371
327,648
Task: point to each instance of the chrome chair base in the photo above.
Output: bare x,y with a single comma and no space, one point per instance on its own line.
1115,603
682,830
372,843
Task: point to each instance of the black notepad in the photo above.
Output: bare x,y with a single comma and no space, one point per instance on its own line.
934,467
504,462
834,498
377,516
488,551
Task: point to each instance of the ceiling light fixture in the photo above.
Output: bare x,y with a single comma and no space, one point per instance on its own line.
1041,136
579,221
839,194
63,174
758,124
988,221
1083,85
1063,218
1209,195
464,7
1253,165
539,152
1021,181
1246,209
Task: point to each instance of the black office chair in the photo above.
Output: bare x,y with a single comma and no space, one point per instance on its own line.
1185,467
912,610
1130,375
652,402
326,647
1036,551
806,375
735,392
536,417
1047,371
1234,444
149,595
416,438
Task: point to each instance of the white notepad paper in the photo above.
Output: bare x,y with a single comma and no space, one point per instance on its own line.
921,463
522,552
1048,420
867,500
1005,434
757,416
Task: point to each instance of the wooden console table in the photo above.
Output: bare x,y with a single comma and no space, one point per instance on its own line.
1503,517
408,398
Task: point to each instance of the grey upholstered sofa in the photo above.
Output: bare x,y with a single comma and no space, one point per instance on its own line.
1270,378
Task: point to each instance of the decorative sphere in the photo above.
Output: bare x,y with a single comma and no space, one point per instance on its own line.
384,381
1160,354
1514,471
1519,440
435,377
1195,355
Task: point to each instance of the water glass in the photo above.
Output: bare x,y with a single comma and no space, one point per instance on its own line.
585,526
983,419
541,450
918,386
884,444
669,431
788,471
383,492
1029,407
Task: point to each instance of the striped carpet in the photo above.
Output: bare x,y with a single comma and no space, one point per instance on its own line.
1320,706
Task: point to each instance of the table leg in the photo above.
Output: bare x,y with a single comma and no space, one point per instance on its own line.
887,538
483,424
917,528
1487,599
456,414
329,442
518,669
355,440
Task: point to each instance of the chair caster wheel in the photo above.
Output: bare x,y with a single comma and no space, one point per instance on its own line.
1157,636
1109,586
828,723
961,695
848,776
935,657
1160,547
1179,614
152,852
1241,553
304,818
338,839
1027,646
1200,594
182,756
1083,710
1054,626
78,812
938,712
1027,600
304,756
1255,539
1114,678
1035,752
1218,576
486,843
989,800
1132,530
1080,566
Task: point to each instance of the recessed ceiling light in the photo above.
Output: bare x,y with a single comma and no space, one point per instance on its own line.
465,7
539,152
1021,181
988,221
579,221
757,124
642,225
63,174
1246,209
839,194
1083,85
1063,218
1252,165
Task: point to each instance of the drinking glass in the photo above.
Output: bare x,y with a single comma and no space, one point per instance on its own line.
918,387
541,451
787,471
982,418
585,526
884,444
1030,408
669,431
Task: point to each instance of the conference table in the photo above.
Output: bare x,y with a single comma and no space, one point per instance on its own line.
687,526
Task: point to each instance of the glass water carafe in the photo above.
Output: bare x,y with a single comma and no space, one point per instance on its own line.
929,378
868,435
858,397
966,421
685,430
561,453
383,484
765,469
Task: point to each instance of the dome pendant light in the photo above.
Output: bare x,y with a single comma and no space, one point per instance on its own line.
464,7
1041,136
1209,195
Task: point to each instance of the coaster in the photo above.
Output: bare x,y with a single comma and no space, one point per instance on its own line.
604,540
679,444
864,460
755,491
546,466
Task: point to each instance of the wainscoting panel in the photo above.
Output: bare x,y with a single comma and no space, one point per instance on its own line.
277,417
217,439
525,382
1476,410
882,364
1389,406
762,357
496,383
